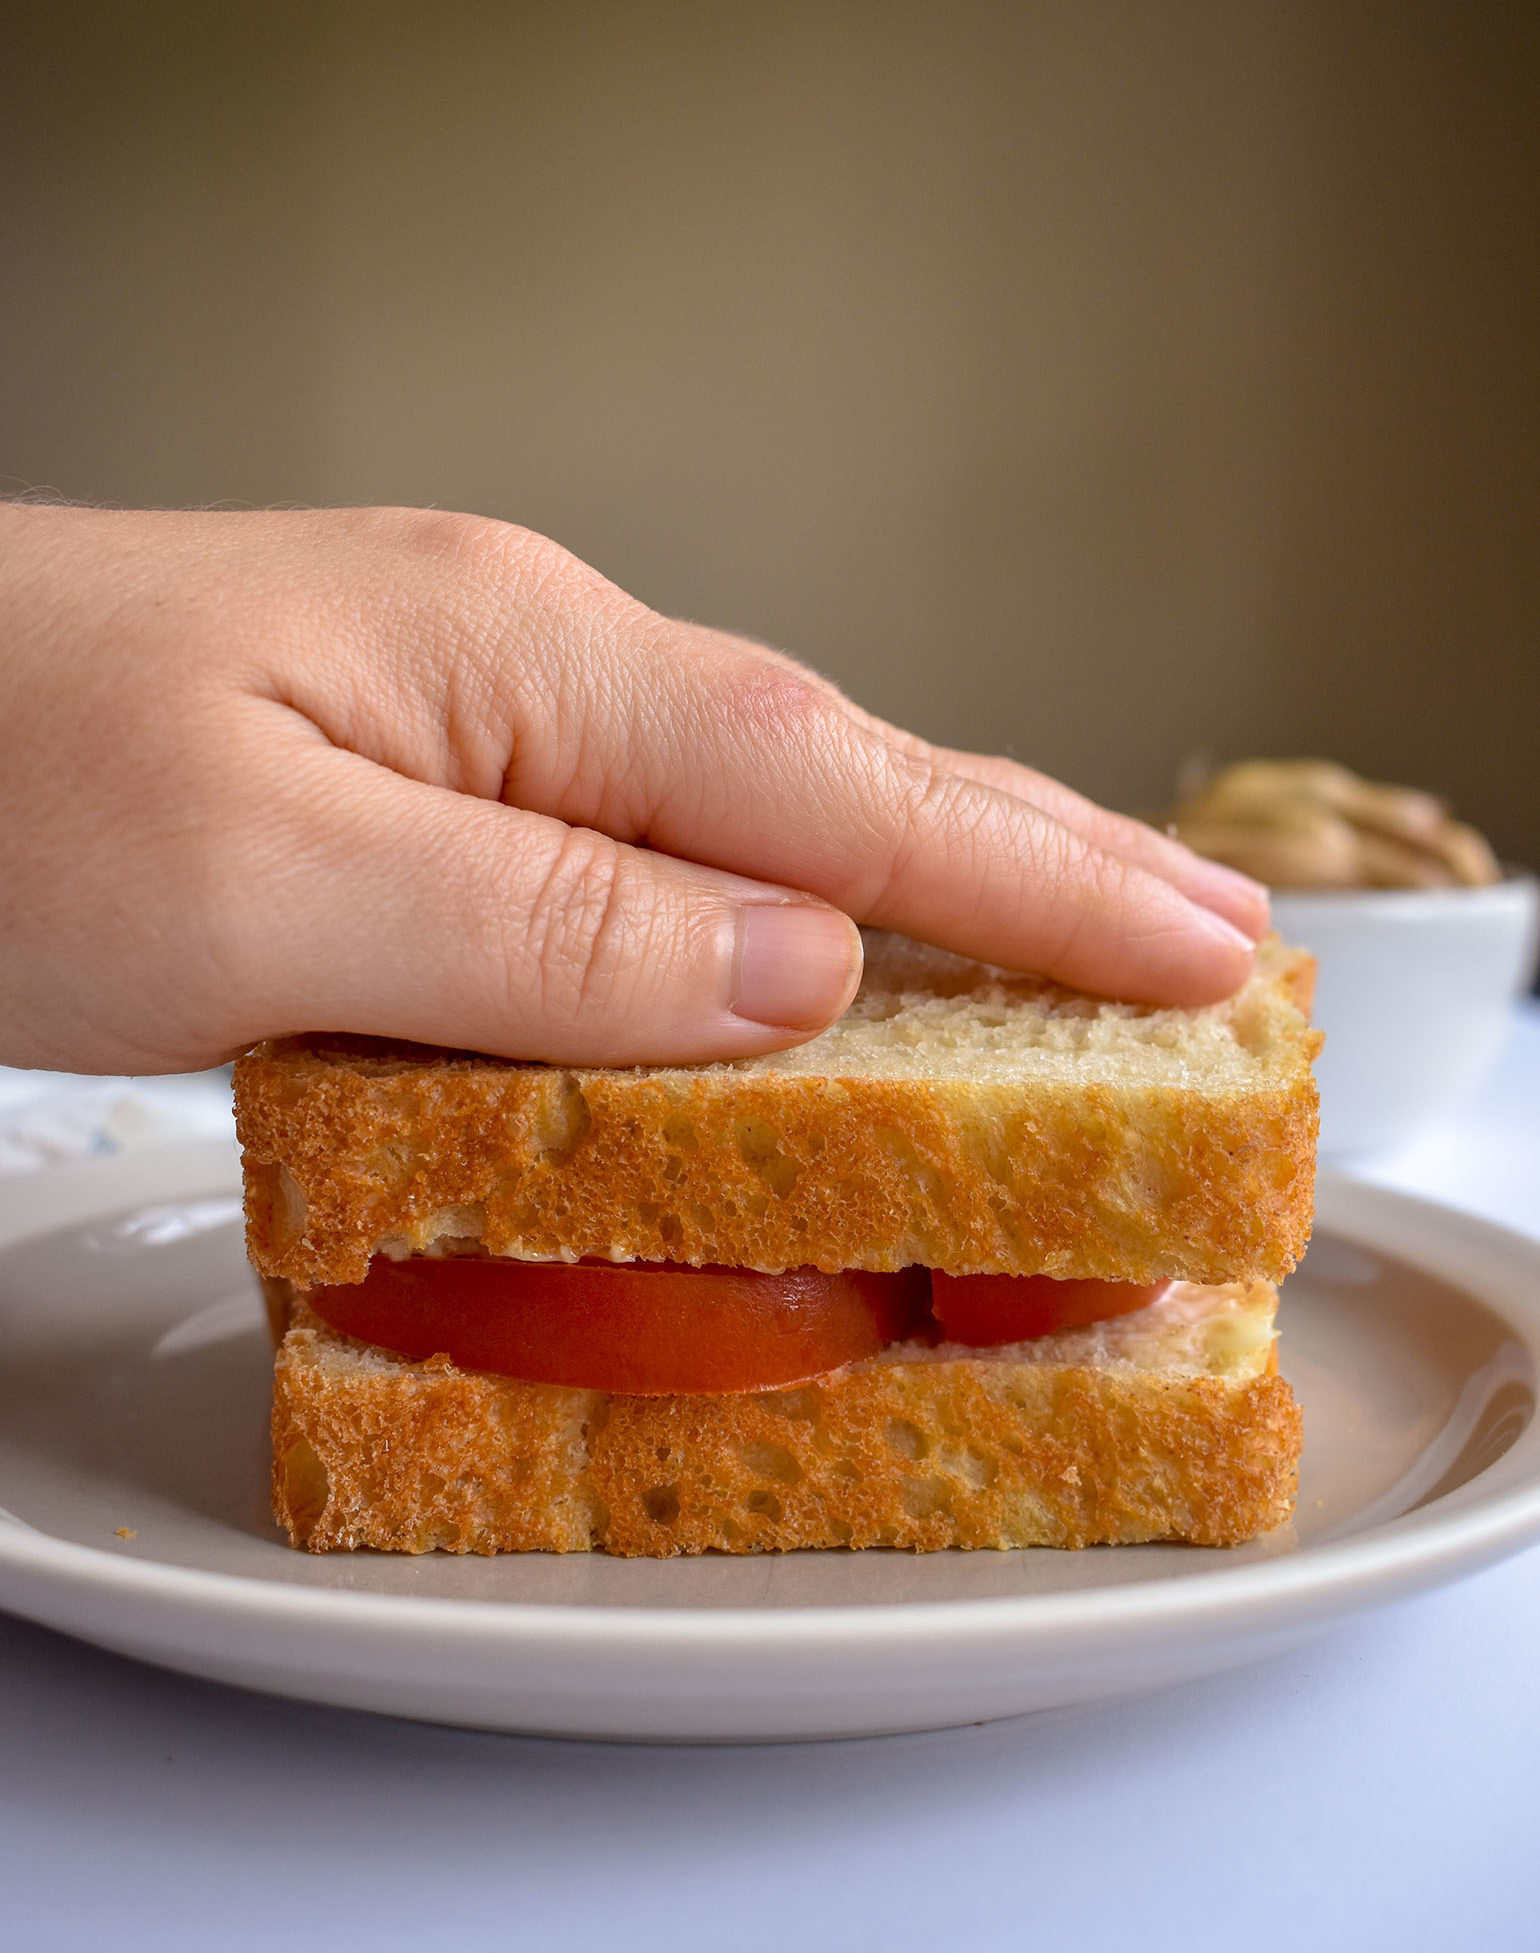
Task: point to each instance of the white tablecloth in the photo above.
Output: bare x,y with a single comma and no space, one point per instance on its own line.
1379,1788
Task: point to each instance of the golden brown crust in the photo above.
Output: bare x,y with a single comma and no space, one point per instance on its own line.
923,1454
351,1145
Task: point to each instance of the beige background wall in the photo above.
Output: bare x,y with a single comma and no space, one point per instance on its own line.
1106,382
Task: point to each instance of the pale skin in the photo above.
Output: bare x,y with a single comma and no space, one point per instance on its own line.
429,776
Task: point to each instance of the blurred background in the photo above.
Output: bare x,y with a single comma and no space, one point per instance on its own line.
1114,384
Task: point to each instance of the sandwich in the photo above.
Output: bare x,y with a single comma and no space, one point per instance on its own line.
985,1264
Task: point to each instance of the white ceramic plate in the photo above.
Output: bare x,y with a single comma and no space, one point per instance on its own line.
133,1388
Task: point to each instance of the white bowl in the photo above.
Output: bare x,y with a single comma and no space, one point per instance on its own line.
1413,992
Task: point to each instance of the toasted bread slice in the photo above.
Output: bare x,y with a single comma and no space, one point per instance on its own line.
957,1116
1167,1424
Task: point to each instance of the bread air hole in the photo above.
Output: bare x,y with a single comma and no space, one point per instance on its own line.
802,1406
759,1147
977,1470
918,1171
277,1189
763,1503
562,1122
926,1498
905,1438
395,1160
661,1504
306,1486
771,1461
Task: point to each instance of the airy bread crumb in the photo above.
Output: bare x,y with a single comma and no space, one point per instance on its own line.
1167,1424
957,1116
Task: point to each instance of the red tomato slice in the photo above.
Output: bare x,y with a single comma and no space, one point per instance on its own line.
642,1328
981,1310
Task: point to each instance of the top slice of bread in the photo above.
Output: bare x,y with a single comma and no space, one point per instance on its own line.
957,1116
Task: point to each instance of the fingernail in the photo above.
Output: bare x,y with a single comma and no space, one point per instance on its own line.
1226,931
1217,874
1211,882
796,966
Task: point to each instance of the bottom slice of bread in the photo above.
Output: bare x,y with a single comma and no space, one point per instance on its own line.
1168,1424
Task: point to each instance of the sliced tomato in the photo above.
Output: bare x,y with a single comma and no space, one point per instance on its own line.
982,1310
642,1328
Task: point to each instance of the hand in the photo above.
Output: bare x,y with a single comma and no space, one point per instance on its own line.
430,776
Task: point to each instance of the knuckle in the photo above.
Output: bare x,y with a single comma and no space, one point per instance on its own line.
546,578
442,534
519,582
480,548
1075,878
503,550
1090,888
768,696
578,924
932,805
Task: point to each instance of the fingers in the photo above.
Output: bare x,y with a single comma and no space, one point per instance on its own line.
739,760
1236,897
405,910
512,669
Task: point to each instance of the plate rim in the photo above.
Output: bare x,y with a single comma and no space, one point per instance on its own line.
1458,1533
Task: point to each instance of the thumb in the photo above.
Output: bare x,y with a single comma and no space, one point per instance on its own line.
407,910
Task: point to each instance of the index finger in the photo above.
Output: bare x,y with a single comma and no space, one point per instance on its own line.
498,664
1237,897
728,756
